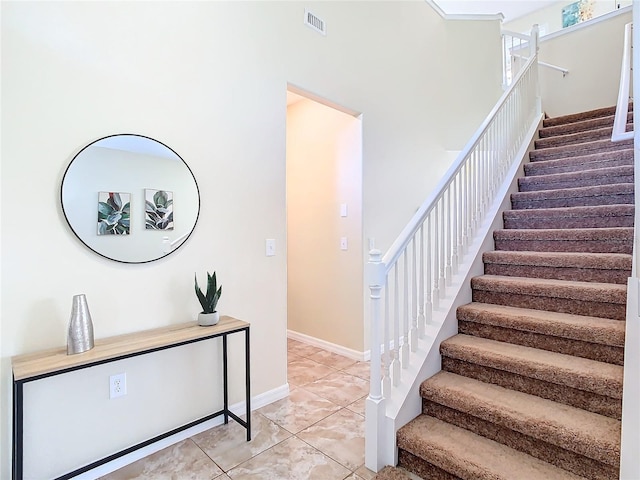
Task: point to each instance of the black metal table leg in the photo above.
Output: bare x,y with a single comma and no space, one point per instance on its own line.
225,379
247,382
18,436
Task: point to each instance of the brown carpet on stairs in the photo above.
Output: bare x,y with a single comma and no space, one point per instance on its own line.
531,386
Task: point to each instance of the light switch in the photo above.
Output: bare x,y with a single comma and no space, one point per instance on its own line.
343,243
343,209
270,247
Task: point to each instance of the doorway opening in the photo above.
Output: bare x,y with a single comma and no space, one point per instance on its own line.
324,224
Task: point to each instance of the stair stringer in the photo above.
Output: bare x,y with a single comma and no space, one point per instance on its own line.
405,403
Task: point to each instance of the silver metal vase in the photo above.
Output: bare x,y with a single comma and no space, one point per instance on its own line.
80,335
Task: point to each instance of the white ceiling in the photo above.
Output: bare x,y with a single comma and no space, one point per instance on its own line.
511,9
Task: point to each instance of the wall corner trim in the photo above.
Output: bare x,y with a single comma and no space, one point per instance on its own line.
463,16
474,16
436,8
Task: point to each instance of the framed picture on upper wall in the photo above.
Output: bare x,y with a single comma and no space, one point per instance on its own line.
577,12
158,209
114,213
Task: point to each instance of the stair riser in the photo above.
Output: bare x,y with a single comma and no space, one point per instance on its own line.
573,138
552,304
580,126
538,183
618,159
585,246
560,457
559,273
590,201
518,219
568,346
592,402
422,468
570,151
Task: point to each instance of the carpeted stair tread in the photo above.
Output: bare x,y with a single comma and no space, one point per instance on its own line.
574,137
581,116
613,194
566,370
576,327
597,216
563,129
584,267
561,259
587,148
586,291
580,163
587,178
614,239
605,300
472,457
589,434
393,473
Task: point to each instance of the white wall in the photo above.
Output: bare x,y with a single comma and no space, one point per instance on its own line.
209,80
593,57
473,77
324,170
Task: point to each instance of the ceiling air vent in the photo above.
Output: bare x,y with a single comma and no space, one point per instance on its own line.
314,22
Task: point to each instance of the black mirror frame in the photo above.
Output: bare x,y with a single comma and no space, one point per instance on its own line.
182,240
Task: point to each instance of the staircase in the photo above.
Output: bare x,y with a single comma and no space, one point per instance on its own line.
531,385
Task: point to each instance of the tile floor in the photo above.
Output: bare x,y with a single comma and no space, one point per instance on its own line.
317,433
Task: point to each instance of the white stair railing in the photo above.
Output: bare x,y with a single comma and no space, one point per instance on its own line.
515,47
408,283
622,108
516,51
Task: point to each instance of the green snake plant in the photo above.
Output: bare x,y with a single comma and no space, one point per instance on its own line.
210,299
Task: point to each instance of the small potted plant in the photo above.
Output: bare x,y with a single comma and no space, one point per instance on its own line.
209,316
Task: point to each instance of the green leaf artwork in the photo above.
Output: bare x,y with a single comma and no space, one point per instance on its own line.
158,208
114,213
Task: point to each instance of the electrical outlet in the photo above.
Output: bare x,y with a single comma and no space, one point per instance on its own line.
117,385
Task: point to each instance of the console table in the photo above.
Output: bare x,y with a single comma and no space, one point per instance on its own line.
36,366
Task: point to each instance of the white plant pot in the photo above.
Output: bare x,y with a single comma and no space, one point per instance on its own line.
208,319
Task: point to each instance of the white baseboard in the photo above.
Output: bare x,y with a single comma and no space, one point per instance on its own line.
238,408
332,347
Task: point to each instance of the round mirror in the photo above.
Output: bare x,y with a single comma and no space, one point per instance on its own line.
130,198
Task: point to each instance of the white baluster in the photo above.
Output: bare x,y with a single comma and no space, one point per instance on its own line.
388,356
421,317
427,289
464,219
395,364
436,257
413,334
449,215
456,218
442,249
404,350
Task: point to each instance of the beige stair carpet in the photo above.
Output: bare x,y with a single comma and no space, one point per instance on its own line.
531,386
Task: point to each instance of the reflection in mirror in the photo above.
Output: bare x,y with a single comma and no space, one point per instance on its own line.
130,198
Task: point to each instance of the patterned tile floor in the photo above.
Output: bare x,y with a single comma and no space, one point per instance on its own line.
317,433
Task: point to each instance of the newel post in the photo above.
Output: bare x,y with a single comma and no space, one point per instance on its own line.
375,405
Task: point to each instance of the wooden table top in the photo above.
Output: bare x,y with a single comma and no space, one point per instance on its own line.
56,359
